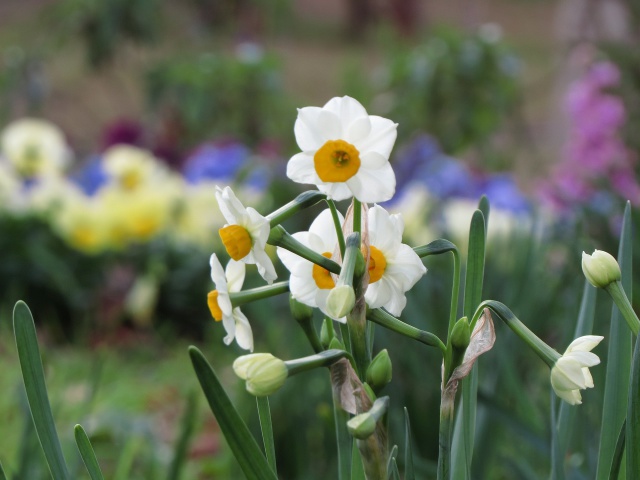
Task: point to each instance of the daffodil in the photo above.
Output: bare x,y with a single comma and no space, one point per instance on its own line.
309,283
394,268
264,373
345,151
570,374
246,233
234,321
600,268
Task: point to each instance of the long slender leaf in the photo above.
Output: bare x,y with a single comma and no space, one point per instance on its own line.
33,377
464,428
3,476
87,453
616,387
264,413
633,419
409,473
390,461
242,443
187,428
344,441
561,431
618,453
557,466
127,457
357,468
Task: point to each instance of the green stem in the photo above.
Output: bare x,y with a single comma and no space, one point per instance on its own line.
338,226
394,324
544,351
322,359
312,335
357,216
444,438
302,201
436,247
281,238
253,294
350,263
264,413
624,305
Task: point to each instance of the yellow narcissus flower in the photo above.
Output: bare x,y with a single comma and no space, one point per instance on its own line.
309,283
35,147
571,373
245,234
394,268
345,151
130,167
234,321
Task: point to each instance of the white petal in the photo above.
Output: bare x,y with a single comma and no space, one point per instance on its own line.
373,160
229,324
382,232
373,186
217,274
303,289
335,191
584,359
306,129
585,344
324,229
405,266
301,169
329,125
348,109
224,302
234,273
382,137
231,208
588,379
244,335
358,130
258,227
567,375
378,294
265,266
572,397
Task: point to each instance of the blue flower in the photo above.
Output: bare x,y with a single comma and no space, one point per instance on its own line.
503,193
91,177
216,161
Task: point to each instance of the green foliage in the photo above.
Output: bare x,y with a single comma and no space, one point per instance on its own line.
87,453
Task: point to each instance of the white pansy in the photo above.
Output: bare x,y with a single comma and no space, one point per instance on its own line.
246,233
309,283
345,151
571,373
394,268
234,321
131,166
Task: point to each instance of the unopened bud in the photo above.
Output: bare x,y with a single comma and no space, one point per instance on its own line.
299,311
600,268
336,344
379,371
341,301
264,373
461,334
362,426
325,337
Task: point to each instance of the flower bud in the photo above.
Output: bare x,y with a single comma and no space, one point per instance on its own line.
341,301
336,344
264,373
299,311
325,337
600,268
379,371
461,334
362,426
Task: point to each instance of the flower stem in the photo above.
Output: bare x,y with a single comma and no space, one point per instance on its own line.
302,201
394,324
357,216
336,223
322,359
444,438
281,238
253,294
455,290
622,301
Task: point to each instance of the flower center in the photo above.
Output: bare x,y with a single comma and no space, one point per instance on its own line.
322,277
377,264
131,179
236,240
214,308
336,161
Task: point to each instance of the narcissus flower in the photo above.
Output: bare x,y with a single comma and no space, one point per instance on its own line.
246,233
345,151
309,283
234,321
394,268
601,268
571,373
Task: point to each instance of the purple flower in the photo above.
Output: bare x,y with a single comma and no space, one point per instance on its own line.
91,177
216,161
503,193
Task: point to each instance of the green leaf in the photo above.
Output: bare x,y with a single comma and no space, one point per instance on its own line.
408,449
87,453
465,424
242,444
557,464
633,419
566,415
390,461
484,207
33,377
264,412
127,457
344,441
616,389
618,453
357,468
3,476
187,429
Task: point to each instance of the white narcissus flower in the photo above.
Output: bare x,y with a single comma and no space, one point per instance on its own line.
309,283
394,268
234,321
571,373
345,151
246,233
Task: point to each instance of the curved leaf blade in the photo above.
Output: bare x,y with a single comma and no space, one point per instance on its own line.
87,453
